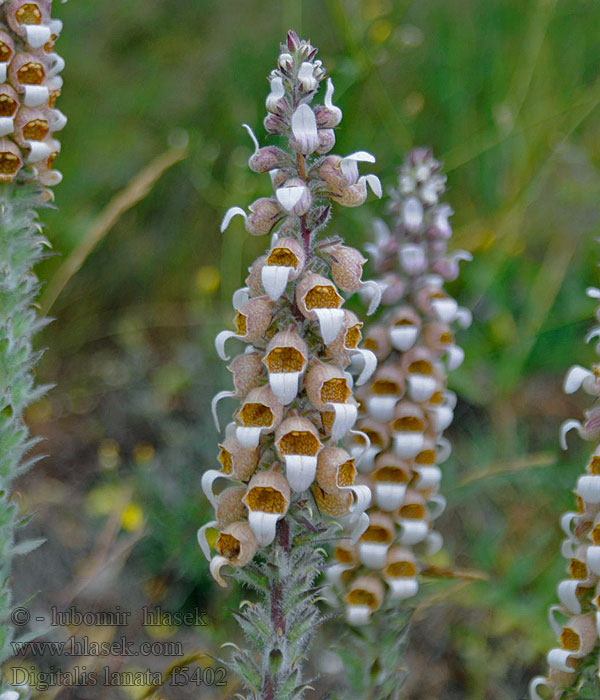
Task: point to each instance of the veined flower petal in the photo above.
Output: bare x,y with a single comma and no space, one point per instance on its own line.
229,214
374,295
202,541
208,479
277,92
216,564
304,129
403,588
300,471
214,403
288,197
566,427
285,385
330,323
344,419
369,364
567,594
252,136
263,525
373,182
576,377
220,341
275,279
403,337
248,436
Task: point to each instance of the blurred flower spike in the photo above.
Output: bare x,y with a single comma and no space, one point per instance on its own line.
576,619
406,405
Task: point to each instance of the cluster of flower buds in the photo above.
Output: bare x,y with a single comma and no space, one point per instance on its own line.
29,87
576,620
292,382
406,406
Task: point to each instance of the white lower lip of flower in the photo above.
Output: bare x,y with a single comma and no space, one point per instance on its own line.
441,417
334,572
566,427
588,487
284,385
214,403
464,317
365,362
433,543
566,523
413,531
216,564
567,594
289,197
454,357
554,623
58,120
35,95
304,129
330,323
445,309
263,525
557,658
576,377
202,541
598,623
421,387
7,126
37,34
57,64
229,214
38,150
364,462
568,547
402,588
240,297
373,554
300,471
381,408
412,258
428,477
389,496
362,499
403,337
220,341
537,682
436,505
207,481
443,449
357,615
275,279
593,559
248,437
412,213
408,445
373,295
344,420
3,71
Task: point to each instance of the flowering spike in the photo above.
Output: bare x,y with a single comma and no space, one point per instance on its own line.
293,383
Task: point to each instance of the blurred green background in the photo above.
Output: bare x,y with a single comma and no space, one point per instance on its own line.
506,92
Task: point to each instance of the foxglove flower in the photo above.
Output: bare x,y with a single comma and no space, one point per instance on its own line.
280,461
406,405
576,619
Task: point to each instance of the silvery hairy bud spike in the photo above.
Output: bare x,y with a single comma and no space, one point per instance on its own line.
398,445
579,595
285,472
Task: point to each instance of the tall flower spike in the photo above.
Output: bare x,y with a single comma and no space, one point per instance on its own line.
29,121
574,663
406,405
294,381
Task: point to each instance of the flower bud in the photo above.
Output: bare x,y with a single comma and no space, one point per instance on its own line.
267,158
326,140
254,279
247,372
294,197
346,267
254,318
230,507
265,213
